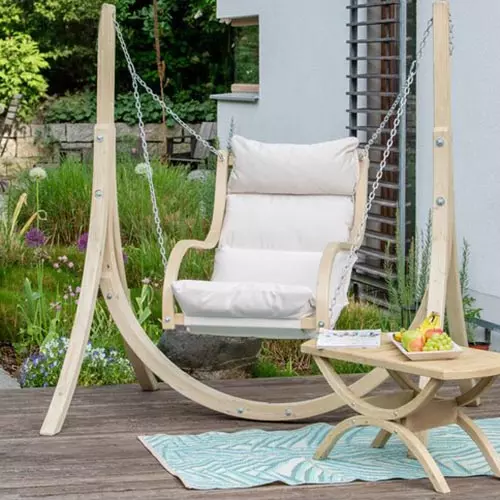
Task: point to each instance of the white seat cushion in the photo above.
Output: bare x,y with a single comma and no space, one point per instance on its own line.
243,300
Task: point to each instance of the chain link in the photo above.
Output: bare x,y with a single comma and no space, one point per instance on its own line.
144,145
400,105
397,101
451,32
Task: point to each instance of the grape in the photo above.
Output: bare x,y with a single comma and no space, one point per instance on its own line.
440,342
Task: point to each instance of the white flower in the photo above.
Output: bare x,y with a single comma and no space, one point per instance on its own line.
38,174
198,14
141,169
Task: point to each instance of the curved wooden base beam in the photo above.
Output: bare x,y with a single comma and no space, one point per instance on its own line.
417,448
211,398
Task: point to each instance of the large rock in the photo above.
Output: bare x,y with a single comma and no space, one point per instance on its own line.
210,357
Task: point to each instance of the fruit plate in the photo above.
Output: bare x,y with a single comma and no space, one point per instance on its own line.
428,356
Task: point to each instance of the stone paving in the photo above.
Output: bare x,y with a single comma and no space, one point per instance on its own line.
6,381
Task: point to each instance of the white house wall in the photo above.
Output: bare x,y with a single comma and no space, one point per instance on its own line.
476,133
303,71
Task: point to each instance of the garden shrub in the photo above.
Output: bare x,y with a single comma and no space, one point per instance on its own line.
100,366
80,108
21,65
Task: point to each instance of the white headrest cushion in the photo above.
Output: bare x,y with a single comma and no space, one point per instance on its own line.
322,168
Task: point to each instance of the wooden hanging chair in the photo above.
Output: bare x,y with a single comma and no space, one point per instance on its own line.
286,245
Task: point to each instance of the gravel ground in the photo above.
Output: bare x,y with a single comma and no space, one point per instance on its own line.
6,381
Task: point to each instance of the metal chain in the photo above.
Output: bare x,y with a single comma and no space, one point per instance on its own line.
397,101
451,32
400,105
144,145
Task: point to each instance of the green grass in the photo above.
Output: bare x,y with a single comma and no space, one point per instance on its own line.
65,196
185,209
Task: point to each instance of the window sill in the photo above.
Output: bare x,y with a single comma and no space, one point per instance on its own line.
251,97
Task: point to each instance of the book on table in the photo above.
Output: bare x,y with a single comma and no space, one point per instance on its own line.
363,339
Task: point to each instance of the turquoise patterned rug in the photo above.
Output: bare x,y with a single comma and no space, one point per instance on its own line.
219,460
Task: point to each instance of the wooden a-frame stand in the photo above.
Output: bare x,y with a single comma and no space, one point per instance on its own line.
104,267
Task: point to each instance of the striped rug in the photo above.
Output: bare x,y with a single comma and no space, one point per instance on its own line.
244,459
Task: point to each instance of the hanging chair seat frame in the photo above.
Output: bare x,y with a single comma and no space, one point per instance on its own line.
323,296
104,266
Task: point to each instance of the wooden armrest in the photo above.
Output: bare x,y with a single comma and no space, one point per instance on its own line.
177,255
180,249
172,273
323,294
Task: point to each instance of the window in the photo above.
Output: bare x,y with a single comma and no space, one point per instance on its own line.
246,54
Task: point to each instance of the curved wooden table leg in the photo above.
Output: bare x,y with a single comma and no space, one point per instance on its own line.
404,382
482,442
368,409
409,438
381,440
473,393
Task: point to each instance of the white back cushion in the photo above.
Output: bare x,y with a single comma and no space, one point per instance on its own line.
323,168
285,204
286,222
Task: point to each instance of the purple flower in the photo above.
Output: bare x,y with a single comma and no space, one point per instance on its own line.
82,242
35,238
125,257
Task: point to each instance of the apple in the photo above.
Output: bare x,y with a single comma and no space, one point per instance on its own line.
413,340
433,331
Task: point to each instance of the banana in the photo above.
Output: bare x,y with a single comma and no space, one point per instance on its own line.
432,321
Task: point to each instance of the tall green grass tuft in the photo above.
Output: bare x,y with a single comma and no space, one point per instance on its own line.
66,196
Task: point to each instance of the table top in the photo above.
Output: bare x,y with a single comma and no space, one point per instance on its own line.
472,363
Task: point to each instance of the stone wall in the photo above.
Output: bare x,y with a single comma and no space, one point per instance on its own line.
47,145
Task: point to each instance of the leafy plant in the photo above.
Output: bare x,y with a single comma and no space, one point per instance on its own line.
40,320
80,108
409,279
21,66
471,312
11,236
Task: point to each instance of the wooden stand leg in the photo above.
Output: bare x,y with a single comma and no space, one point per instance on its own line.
412,442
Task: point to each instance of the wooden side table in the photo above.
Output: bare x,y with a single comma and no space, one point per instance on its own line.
412,410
